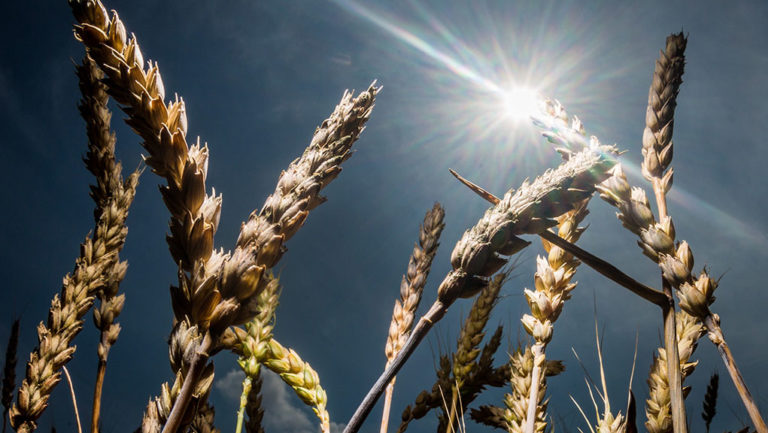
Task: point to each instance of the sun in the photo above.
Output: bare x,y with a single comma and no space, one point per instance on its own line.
520,103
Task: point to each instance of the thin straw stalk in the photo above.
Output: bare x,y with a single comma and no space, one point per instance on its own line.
479,253
411,289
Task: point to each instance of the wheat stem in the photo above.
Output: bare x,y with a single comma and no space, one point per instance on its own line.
243,404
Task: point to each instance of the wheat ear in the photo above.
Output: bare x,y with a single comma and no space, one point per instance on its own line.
468,347
521,364
479,253
253,407
657,155
9,370
710,401
95,270
199,306
257,347
492,416
203,420
411,288
102,163
658,405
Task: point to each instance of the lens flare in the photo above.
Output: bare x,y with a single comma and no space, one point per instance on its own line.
520,103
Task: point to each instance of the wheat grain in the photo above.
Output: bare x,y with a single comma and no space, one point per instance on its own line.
465,359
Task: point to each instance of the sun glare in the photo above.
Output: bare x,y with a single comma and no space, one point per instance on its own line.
520,103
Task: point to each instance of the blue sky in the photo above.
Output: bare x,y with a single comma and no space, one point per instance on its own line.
258,77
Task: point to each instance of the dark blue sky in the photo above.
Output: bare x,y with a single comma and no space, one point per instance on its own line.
258,77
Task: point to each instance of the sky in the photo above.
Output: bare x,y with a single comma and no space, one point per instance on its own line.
258,77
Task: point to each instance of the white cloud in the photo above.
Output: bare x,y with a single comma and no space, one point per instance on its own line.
231,384
283,411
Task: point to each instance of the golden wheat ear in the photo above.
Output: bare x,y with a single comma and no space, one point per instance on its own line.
411,289
98,270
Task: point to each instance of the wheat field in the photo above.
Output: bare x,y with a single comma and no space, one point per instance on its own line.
253,82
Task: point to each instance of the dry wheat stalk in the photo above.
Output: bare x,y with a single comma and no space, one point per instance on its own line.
695,294
479,253
101,162
660,118
95,270
411,288
9,370
658,406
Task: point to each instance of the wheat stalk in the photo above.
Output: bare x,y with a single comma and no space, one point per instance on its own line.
479,253
9,370
411,288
